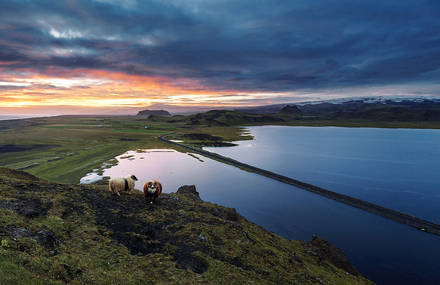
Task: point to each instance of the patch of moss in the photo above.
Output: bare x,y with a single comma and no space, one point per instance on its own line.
83,234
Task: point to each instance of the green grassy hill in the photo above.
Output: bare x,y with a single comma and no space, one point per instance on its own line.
230,118
59,233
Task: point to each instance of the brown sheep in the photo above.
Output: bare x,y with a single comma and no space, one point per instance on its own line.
152,190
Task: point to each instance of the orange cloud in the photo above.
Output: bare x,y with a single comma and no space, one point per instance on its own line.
99,88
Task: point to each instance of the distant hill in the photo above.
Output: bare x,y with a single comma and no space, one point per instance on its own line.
388,110
359,109
154,112
390,114
230,118
351,110
290,110
365,110
267,109
346,105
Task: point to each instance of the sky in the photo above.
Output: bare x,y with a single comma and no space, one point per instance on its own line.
113,56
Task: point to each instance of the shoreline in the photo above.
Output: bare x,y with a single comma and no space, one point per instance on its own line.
354,124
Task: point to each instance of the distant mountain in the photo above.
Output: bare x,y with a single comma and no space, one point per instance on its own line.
267,109
390,114
358,110
290,110
154,113
346,104
386,110
226,118
182,110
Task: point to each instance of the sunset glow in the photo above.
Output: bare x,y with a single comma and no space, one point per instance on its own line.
99,88
134,54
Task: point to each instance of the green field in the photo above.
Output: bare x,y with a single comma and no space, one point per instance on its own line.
63,149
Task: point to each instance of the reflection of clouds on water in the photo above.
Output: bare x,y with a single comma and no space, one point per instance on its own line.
147,164
90,178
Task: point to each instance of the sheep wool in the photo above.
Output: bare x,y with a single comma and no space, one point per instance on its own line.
122,184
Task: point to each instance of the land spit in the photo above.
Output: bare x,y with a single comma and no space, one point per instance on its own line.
397,216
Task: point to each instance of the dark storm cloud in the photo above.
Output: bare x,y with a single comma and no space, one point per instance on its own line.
246,45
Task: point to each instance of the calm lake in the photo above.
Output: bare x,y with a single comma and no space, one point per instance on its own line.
381,165
396,168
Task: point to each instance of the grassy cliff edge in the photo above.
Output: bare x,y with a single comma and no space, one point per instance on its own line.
59,233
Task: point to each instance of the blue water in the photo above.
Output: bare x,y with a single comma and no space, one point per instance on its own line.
9,117
383,251
396,168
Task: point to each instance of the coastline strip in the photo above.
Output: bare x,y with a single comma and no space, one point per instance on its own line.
393,215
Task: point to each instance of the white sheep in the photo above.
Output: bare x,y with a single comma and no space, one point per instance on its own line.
121,184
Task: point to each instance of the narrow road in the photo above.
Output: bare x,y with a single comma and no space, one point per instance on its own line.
403,218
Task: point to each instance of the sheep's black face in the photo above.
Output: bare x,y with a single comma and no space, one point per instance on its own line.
134,177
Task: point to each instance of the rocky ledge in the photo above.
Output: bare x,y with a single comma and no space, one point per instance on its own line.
52,233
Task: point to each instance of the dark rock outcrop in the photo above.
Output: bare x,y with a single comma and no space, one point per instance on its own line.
189,191
30,208
47,239
324,250
17,232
